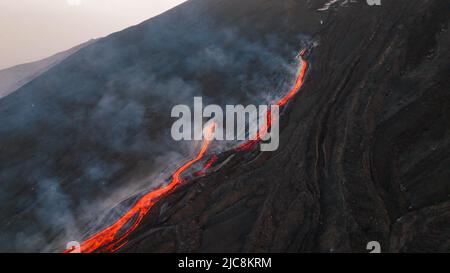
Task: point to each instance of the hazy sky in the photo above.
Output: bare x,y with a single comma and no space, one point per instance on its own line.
34,29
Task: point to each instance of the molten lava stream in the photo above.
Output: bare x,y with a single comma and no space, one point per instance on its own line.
109,240
207,166
114,236
282,102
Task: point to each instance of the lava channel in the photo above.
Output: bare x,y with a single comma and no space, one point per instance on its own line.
115,236
282,102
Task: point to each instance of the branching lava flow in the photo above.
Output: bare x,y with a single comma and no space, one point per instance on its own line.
115,236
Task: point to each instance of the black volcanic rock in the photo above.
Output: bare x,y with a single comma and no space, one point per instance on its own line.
364,154
95,129
364,147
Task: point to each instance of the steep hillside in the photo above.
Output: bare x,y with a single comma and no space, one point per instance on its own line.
95,129
17,76
364,153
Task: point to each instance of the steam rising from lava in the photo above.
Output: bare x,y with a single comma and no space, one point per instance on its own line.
109,239
115,236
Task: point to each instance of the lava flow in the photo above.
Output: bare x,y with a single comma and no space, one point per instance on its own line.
282,102
115,236
108,240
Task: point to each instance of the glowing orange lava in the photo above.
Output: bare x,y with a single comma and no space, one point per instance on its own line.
283,101
207,165
115,236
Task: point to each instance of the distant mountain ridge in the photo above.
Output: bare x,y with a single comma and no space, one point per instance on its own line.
14,77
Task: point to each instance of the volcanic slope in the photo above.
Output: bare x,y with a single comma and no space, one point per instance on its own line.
94,129
364,149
